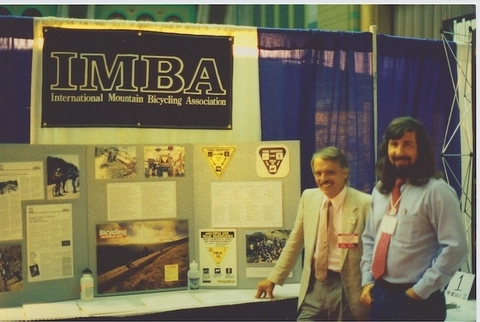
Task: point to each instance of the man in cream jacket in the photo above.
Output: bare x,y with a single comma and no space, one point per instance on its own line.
331,291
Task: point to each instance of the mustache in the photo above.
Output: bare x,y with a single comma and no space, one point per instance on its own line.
403,158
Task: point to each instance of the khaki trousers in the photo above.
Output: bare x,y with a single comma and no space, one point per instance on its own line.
325,301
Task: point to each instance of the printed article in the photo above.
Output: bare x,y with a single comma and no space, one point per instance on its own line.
11,209
141,200
30,177
247,204
49,242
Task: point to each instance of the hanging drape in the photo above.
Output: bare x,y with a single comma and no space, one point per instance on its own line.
316,87
416,78
313,86
16,40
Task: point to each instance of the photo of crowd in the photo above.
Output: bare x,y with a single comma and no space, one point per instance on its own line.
265,247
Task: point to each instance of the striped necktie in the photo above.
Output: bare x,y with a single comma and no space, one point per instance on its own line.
321,249
380,258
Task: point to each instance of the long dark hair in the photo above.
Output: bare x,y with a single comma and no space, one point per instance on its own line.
423,169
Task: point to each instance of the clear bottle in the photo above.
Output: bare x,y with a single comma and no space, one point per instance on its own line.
86,285
193,276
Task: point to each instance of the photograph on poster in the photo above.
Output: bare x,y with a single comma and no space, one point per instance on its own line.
63,177
8,186
142,256
164,161
11,268
265,246
115,162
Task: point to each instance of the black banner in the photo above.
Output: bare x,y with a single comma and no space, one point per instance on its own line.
126,78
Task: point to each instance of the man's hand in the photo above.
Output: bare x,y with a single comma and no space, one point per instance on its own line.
411,293
366,296
265,288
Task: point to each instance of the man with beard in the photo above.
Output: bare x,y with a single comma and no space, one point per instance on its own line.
425,240
329,223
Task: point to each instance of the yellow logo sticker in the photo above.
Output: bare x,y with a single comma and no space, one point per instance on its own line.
218,158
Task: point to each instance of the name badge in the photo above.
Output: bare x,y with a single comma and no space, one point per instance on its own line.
347,240
388,224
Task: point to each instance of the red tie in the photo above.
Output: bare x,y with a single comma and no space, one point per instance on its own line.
380,258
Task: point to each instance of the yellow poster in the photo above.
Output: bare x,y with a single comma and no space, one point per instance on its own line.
218,257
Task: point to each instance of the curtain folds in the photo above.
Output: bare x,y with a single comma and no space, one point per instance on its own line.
416,78
289,84
15,76
316,87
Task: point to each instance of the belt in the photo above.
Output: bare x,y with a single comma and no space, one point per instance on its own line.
393,286
332,273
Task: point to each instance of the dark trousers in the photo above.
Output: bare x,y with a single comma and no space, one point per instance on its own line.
390,302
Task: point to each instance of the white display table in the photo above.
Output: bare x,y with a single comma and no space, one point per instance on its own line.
150,305
203,304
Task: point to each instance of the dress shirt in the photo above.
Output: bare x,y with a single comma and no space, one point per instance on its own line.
429,243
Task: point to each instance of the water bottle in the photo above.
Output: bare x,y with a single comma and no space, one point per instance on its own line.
86,285
193,276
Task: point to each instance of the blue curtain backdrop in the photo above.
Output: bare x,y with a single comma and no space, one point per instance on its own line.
16,36
414,79
316,87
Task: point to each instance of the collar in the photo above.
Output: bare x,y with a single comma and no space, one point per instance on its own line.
338,200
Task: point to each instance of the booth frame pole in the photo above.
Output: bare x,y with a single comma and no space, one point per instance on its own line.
373,30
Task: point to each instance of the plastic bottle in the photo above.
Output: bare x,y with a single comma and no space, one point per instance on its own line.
86,285
193,276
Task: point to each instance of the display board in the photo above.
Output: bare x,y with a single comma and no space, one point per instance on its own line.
46,261
253,193
141,214
137,215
